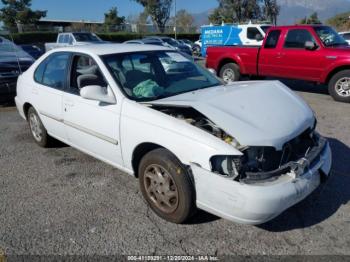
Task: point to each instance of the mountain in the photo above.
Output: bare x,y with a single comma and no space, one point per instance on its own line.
294,10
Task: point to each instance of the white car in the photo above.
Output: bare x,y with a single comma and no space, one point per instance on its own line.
346,36
245,151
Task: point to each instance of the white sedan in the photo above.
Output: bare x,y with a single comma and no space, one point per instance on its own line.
245,151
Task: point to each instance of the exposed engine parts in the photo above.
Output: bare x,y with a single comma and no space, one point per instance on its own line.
193,117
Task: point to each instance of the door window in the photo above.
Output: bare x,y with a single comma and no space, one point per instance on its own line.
85,72
297,38
252,32
272,39
52,71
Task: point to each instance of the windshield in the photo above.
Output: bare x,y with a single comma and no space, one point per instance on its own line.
147,76
86,37
329,37
265,28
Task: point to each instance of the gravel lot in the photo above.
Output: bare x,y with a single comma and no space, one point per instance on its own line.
61,201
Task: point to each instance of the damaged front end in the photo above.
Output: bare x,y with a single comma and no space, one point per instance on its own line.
262,164
257,163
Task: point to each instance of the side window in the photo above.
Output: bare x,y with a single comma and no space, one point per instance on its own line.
70,39
39,72
296,38
60,39
346,36
55,71
65,39
85,72
252,32
272,39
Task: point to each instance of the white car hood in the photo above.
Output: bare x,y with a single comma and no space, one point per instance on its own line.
265,113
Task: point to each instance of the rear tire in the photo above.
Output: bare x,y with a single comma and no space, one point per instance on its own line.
37,129
196,50
166,186
339,86
230,73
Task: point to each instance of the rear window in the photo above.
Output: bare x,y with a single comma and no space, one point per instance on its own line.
272,39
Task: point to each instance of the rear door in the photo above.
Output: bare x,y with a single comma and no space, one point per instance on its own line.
298,62
91,126
47,90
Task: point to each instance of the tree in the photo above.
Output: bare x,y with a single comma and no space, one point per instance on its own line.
236,11
271,10
18,12
312,19
158,10
184,21
112,20
341,21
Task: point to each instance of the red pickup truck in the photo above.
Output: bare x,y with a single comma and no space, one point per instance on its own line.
307,52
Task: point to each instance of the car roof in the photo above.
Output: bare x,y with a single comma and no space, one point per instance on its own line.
105,49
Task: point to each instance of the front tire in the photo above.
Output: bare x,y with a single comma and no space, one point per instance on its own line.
166,186
38,131
339,86
230,73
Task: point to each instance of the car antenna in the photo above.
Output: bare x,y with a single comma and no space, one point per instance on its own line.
17,58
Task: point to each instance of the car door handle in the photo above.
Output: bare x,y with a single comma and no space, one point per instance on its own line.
34,91
280,55
69,103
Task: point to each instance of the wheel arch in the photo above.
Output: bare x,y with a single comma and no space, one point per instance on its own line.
335,71
139,152
26,107
225,61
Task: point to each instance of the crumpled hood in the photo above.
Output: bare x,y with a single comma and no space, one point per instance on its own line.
265,113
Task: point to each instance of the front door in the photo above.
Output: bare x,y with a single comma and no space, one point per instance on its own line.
91,126
298,62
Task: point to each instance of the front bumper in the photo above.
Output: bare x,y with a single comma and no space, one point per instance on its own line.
257,203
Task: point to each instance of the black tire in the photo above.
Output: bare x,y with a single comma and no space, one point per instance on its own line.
44,138
196,50
230,72
184,206
333,90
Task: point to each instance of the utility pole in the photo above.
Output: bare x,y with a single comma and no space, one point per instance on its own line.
175,28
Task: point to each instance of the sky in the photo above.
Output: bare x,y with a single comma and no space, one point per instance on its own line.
94,9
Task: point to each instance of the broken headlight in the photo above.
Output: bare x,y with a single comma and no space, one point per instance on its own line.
229,166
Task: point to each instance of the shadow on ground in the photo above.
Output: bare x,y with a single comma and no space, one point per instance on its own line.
322,203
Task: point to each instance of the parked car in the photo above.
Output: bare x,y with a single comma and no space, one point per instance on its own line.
171,42
245,151
187,42
197,47
13,61
313,53
145,42
32,50
346,36
71,39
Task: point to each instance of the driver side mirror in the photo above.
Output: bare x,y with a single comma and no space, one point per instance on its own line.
98,93
309,45
259,37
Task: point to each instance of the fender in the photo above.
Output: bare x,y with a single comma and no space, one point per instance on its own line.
342,63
